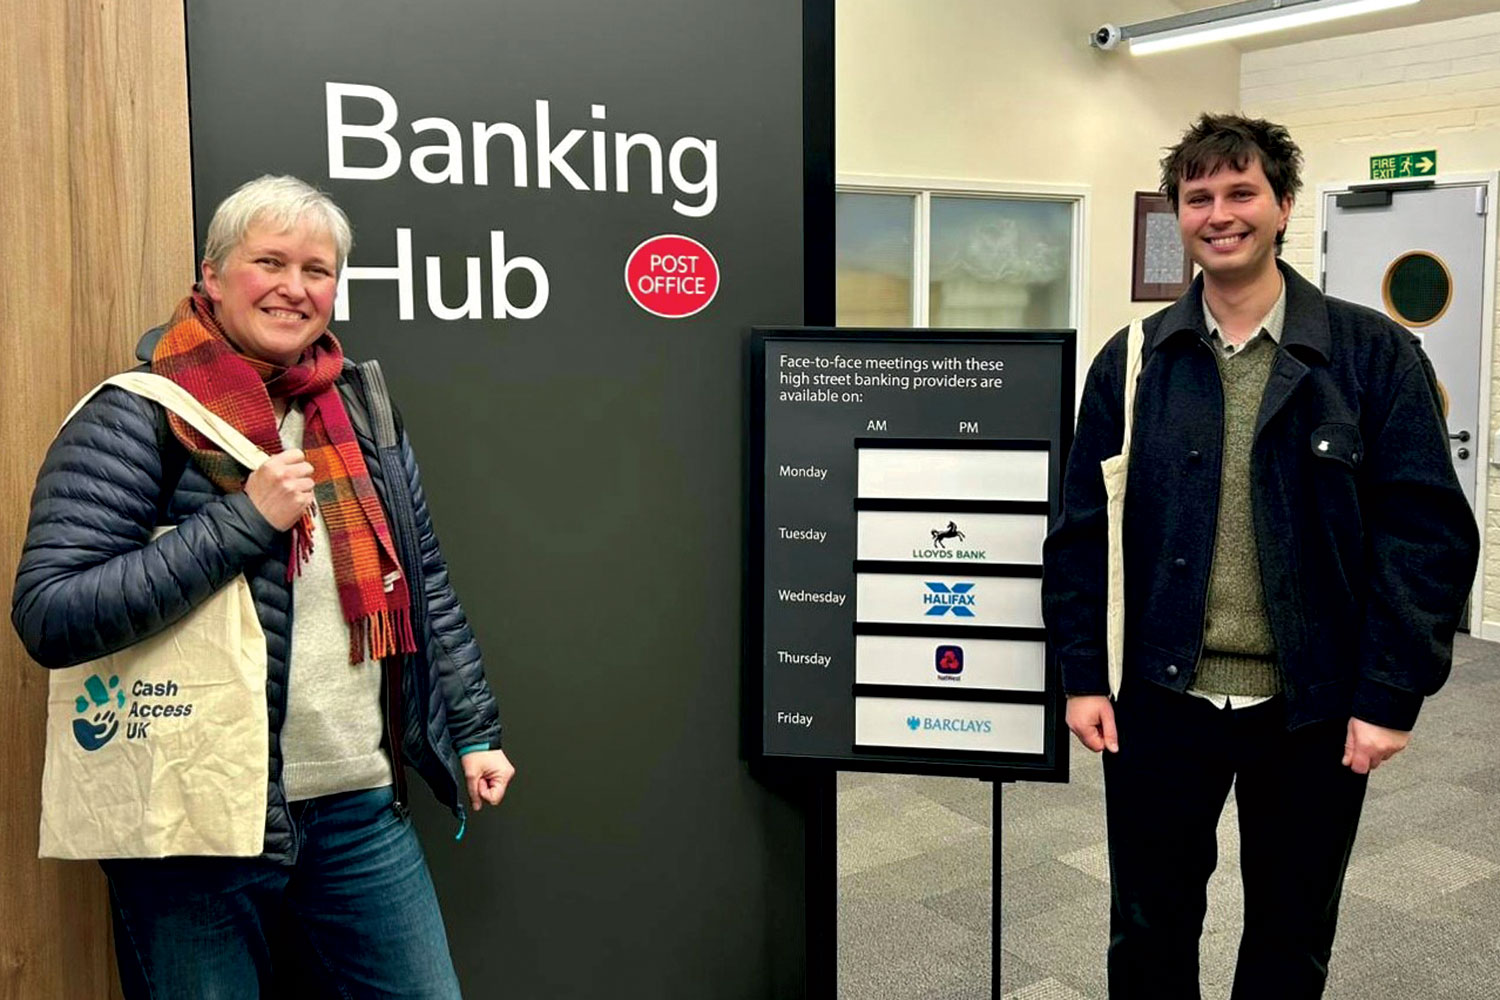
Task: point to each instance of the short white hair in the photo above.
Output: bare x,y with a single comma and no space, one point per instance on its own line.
280,202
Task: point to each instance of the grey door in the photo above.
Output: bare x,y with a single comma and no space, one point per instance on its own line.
1420,260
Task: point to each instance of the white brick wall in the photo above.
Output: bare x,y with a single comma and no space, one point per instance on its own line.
1347,99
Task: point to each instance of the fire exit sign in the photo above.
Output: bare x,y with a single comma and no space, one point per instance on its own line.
1394,166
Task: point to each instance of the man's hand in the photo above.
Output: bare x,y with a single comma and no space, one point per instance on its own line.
487,773
1092,719
282,488
1367,745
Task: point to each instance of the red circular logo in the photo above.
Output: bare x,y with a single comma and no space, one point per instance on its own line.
672,276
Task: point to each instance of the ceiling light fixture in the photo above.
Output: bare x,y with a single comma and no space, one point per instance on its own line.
1234,20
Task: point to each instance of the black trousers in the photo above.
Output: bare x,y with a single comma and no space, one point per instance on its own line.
1164,790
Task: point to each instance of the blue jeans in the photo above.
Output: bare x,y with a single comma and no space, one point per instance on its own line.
356,916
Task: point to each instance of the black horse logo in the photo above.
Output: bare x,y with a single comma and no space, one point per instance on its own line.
949,532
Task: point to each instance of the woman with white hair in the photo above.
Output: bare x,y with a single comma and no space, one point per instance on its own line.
370,661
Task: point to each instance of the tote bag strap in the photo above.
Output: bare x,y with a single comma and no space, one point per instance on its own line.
174,397
1135,346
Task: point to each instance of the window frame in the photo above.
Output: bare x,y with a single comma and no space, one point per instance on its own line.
923,189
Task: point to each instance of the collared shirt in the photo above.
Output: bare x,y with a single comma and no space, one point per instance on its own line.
1271,326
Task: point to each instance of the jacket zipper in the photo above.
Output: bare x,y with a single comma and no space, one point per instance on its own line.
391,669
286,686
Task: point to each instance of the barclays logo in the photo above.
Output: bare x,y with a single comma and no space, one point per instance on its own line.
949,725
942,599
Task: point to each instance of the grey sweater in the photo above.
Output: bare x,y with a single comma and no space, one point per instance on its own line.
331,738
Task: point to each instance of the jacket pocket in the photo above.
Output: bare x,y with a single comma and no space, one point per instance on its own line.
1338,443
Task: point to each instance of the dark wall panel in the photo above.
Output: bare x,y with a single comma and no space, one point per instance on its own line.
584,466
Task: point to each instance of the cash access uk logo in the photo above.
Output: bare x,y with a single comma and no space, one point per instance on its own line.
941,599
150,702
94,731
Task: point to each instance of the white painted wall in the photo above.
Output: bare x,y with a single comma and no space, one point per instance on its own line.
1009,92
1432,86
997,91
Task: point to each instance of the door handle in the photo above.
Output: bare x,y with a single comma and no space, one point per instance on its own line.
1461,436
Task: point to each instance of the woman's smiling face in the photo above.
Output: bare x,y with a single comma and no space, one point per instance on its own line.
274,292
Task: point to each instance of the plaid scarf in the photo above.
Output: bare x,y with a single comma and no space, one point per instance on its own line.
195,354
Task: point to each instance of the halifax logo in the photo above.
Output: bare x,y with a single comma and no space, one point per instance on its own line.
942,599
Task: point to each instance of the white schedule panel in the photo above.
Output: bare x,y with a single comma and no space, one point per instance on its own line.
951,536
955,660
922,473
928,724
949,601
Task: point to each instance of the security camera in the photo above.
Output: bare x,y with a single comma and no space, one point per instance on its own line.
1106,37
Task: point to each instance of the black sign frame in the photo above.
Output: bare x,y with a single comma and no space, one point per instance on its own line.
1052,764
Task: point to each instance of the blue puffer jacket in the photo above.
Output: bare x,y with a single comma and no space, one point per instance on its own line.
92,580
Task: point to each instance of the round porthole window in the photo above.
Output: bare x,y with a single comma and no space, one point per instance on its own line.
1417,288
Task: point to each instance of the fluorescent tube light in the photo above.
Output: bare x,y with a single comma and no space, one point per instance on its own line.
1235,20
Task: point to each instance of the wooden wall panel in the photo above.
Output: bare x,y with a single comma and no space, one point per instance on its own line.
96,245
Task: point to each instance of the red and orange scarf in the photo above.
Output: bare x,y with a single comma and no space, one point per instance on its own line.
195,354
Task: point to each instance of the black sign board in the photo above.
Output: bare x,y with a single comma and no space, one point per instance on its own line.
902,483
566,216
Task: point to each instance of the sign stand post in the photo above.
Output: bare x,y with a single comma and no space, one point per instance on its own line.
997,836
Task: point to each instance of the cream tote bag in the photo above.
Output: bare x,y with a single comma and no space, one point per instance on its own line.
1115,468
162,748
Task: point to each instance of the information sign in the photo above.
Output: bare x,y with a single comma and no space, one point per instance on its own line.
1395,166
903,484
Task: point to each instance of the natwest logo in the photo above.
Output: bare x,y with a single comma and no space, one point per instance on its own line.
949,661
672,276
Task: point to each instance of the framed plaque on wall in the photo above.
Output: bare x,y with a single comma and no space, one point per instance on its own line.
1161,269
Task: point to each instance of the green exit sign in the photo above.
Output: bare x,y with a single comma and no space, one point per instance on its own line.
1394,166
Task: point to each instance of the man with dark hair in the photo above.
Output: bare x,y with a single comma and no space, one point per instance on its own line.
1297,552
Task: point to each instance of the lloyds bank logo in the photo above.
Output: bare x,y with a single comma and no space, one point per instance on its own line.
941,599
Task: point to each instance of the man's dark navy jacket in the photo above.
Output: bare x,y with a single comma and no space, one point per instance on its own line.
1367,546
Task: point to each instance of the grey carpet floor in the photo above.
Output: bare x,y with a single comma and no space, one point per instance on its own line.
1420,918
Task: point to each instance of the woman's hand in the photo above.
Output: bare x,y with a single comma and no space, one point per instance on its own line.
487,773
282,488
